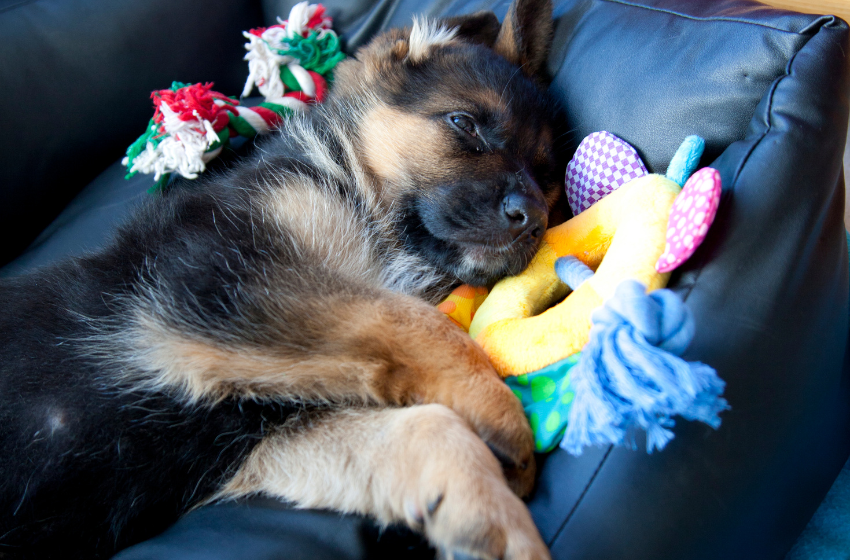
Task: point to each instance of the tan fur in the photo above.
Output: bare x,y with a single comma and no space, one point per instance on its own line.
205,372
338,239
524,37
379,55
420,465
493,99
388,350
400,147
412,45
506,42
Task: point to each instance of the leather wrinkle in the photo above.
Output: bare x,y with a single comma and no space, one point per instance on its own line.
20,4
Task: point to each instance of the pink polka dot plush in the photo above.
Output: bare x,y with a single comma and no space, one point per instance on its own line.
690,218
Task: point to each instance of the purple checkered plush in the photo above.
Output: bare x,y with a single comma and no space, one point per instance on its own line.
601,164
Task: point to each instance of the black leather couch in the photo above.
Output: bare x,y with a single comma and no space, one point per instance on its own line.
769,287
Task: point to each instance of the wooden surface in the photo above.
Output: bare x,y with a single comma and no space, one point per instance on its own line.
840,8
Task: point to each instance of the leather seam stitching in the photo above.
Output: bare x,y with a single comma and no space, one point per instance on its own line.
769,114
581,497
695,18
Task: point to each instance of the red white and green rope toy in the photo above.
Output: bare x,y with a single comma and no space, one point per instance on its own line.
290,63
190,127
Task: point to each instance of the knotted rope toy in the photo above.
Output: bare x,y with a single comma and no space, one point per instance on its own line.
190,127
291,63
288,62
605,359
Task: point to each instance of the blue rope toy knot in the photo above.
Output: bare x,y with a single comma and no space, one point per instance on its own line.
629,375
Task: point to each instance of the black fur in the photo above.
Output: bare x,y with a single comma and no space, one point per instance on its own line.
89,465
88,468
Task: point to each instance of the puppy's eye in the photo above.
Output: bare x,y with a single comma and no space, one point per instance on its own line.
464,123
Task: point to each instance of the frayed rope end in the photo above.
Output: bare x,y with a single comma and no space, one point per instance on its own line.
630,374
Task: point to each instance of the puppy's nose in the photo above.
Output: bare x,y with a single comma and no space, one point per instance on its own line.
524,214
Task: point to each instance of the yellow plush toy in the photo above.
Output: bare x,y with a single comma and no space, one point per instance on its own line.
621,236
632,229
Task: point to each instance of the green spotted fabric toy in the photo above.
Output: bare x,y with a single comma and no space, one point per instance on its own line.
629,375
547,398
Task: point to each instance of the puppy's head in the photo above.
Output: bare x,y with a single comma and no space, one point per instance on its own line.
457,136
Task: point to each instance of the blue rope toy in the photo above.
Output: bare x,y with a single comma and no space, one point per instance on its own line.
629,375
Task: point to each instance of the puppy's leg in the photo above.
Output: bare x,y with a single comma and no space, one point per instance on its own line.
379,347
420,465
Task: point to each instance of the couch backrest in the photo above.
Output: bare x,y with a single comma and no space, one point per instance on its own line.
75,81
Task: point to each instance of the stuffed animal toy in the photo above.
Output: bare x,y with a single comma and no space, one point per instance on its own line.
605,360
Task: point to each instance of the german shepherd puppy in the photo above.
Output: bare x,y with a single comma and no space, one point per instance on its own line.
273,330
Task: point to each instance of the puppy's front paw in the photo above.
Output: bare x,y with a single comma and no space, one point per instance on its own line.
458,495
482,521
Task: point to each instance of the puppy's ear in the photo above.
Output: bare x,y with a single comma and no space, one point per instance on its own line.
412,45
526,34
480,27
379,55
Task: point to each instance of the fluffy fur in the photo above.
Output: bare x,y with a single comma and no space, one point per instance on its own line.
241,335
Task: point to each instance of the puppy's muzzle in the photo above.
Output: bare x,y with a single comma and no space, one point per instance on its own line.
524,214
